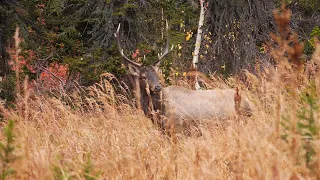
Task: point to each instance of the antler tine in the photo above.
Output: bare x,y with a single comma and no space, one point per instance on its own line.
117,35
167,50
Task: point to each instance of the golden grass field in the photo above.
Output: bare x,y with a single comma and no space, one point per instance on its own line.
55,141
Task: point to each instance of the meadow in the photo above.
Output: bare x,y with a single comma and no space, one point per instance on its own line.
101,136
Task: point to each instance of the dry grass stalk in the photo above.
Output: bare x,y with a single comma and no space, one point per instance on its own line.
286,52
17,69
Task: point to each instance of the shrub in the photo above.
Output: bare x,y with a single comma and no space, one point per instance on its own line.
7,151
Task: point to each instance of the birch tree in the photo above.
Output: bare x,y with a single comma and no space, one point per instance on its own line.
198,42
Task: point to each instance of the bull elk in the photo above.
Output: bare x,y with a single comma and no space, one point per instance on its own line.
179,106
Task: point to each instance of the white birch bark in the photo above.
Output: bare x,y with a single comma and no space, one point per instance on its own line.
198,42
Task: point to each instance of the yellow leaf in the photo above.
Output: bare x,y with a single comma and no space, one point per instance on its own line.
179,54
188,37
184,74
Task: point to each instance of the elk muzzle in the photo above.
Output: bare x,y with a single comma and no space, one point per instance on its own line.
157,88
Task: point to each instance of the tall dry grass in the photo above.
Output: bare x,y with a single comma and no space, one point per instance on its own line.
100,136
56,141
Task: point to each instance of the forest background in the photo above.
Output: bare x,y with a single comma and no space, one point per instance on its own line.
72,40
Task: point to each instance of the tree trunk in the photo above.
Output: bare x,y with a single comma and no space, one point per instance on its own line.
199,36
198,43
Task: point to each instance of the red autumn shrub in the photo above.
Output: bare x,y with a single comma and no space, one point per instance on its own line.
54,77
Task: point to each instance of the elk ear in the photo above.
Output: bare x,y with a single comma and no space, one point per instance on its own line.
134,70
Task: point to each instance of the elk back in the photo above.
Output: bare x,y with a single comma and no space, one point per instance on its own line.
182,107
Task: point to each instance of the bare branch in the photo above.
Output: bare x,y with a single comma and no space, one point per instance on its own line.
54,75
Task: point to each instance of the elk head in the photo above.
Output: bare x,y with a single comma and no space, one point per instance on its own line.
147,74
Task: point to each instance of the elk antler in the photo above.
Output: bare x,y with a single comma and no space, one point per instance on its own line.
117,35
166,51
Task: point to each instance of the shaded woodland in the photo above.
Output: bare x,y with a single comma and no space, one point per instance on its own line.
78,35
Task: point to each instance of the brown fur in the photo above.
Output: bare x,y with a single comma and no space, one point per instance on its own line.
184,106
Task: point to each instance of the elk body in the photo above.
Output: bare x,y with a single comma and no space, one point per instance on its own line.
181,106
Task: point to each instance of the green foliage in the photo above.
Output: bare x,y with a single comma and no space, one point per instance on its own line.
150,23
310,45
55,7
166,71
315,32
7,88
79,33
285,123
7,25
91,66
127,7
64,172
71,32
310,5
60,174
7,151
307,5
306,126
88,169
